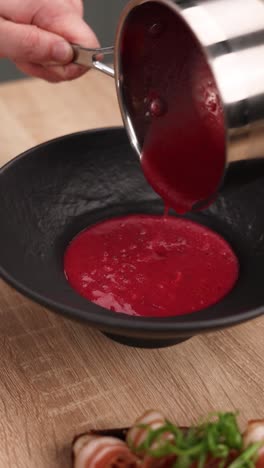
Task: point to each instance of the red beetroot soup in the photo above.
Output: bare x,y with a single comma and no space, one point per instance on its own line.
151,266
174,106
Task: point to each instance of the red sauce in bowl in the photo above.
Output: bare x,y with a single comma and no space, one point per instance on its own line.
151,266
162,266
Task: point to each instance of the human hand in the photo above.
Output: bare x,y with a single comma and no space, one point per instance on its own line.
36,36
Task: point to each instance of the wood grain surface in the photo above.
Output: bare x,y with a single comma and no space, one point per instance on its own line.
58,378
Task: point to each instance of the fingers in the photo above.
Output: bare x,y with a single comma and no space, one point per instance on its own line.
25,11
68,25
74,29
68,72
37,35
53,74
38,71
78,6
27,43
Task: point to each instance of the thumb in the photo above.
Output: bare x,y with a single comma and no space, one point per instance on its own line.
27,43
70,26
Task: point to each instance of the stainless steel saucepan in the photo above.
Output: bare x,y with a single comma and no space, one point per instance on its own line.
230,34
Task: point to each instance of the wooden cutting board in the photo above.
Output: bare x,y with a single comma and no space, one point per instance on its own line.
59,378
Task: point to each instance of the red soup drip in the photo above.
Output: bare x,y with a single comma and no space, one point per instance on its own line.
151,266
174,106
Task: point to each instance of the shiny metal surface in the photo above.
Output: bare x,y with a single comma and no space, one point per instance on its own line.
92,58
230,34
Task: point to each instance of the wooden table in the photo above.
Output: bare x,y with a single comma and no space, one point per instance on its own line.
58,378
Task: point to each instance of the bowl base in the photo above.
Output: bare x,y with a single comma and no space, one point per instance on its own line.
147,344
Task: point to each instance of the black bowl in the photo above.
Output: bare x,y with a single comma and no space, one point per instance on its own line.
53,191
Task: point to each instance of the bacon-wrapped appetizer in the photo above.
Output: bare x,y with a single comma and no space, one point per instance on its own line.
91,451
136,437
255,435
154,442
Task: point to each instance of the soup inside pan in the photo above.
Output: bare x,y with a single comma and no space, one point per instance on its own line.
53,191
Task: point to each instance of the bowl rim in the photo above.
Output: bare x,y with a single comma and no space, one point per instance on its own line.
111,321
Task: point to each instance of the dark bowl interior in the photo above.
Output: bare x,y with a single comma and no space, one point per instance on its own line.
51,192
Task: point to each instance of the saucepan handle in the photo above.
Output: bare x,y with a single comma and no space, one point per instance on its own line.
92,58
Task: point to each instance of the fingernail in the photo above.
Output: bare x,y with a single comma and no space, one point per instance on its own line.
62,52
